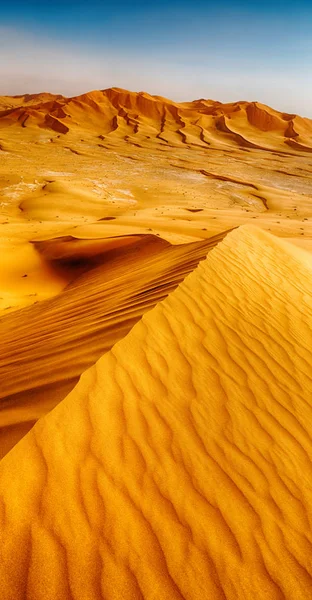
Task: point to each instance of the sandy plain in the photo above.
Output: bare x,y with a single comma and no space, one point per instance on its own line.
184,452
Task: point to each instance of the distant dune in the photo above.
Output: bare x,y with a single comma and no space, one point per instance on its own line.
179,467
120,113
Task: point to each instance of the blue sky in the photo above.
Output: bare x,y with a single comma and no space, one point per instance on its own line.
183,50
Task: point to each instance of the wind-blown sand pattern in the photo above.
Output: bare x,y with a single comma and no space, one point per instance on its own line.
179,467
131,167
44,348
155,349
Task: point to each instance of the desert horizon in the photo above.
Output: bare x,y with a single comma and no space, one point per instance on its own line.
32,95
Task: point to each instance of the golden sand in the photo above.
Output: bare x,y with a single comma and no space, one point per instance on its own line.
179,466
44,348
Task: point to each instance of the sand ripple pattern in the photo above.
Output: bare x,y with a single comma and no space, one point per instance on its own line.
44,348
180,465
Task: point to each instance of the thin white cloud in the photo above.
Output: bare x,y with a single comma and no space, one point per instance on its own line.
30,64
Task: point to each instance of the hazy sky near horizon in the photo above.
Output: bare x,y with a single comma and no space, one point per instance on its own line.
184,50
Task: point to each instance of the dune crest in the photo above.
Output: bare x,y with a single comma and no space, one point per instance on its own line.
184,472
119,113
113,282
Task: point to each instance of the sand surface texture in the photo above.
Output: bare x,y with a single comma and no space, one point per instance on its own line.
100,196
45,347
155,349
180,466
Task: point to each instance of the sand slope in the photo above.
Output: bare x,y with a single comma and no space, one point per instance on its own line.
179,467
46,347
119,113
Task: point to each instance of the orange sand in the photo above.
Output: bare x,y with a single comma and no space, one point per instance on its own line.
44,348
179,466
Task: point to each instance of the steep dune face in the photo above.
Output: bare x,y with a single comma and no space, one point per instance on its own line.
123,113
264,118
179,467
46,347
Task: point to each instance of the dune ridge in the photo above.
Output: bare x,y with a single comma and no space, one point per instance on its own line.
129,115
184,472
75,204
44,348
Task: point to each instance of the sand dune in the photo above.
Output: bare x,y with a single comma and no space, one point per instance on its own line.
179,467
112,162
116,112
9,102
76,205
46,347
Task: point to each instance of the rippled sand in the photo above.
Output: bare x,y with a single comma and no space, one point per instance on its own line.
178,466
